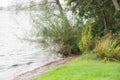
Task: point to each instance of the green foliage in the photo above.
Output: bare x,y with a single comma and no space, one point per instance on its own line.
56,30
107,20
108,48
103,11
65,36
86,42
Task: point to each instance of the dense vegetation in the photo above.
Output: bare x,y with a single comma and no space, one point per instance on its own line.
93,30
92,26
106,16
108,47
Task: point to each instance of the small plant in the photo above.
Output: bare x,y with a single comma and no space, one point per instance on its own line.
86,42
108,48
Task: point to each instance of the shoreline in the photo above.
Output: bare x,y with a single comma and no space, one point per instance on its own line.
31,75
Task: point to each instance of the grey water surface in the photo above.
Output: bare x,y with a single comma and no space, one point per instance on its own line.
17,55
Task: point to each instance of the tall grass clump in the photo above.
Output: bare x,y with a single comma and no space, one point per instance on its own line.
58,30
63,35
108,48
86,42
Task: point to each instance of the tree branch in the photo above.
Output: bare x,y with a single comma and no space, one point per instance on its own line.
62,12
117,7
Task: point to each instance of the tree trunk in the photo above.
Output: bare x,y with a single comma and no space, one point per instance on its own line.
104,19
115,2
60,7
62,12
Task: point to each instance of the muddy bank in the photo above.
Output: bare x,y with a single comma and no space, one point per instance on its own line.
31,75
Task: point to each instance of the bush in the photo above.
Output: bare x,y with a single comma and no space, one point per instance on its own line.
56,30
86,43
108,47
64,36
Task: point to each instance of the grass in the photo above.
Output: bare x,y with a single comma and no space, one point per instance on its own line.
84,68
108,47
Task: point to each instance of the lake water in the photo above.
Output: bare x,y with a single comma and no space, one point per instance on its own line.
16,55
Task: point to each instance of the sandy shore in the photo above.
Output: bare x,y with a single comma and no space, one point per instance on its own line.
31,75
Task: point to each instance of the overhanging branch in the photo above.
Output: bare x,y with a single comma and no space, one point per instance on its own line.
115,2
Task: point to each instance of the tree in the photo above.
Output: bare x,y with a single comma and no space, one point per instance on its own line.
115,2
105,12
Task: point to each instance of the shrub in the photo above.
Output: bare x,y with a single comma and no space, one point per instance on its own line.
108,47
65,36
56,30
86,43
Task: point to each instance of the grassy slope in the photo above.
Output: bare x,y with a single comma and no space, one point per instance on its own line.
84,68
